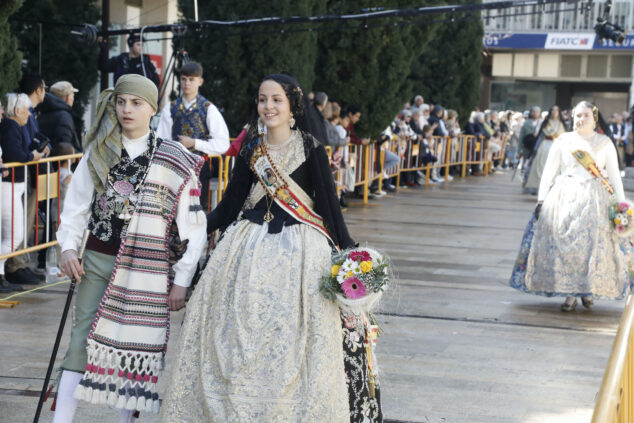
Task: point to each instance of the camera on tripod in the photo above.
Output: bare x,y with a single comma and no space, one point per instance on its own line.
610,31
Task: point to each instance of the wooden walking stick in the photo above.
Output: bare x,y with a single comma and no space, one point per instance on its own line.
60,331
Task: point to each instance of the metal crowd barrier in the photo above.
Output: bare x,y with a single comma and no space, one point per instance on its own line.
365,163
615,403
44,200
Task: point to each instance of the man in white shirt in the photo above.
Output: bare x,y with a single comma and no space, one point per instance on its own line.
195,122
127,191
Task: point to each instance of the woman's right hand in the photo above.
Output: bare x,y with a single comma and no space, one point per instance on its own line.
71,266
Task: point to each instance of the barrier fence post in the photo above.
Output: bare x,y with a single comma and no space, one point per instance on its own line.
448,143
366,172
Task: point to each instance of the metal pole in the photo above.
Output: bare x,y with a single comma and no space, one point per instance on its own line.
105,24
196,10
39,61
60,331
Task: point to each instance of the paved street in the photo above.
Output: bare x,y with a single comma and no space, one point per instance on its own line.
459,345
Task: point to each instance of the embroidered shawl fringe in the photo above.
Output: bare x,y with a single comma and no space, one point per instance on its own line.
131,387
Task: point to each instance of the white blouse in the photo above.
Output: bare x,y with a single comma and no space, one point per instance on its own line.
562,162
76,213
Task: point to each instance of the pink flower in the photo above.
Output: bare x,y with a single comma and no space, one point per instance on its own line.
353,288
359,256
620,228
123,187
623,207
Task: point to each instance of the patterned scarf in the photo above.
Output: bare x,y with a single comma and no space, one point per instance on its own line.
128,338
105,137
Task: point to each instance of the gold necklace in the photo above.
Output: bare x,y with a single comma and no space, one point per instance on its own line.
268,216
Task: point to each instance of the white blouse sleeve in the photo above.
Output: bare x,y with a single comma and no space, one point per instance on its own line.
164,128
76,210
612,170
551,170
218,143
196,233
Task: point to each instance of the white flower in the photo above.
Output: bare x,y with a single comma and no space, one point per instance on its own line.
620,216
348,268
624,221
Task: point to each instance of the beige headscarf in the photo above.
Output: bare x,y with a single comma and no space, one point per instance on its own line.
105,138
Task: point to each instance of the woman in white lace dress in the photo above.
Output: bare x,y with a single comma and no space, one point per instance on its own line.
570,247
260,343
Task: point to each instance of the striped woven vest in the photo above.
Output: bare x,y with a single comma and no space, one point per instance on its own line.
191,122
128,338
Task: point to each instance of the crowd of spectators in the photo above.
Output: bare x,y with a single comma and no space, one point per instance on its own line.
36,125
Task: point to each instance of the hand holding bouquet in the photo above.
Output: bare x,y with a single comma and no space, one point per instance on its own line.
358,277
621,216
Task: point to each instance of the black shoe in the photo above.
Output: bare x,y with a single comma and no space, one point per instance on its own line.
389,187
24,276
342,201
7,286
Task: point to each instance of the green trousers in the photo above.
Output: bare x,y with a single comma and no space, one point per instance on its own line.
90,290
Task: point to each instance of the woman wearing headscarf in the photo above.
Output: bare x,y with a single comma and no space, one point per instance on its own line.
570,248
551,128
128,192
260,343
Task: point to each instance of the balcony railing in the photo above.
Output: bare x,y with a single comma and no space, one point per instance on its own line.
558,17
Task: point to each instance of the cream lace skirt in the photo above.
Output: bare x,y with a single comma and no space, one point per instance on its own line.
259,342
574,250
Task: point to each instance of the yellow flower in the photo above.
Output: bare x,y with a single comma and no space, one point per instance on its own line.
349,274
617,221
366,266
630,212
334,270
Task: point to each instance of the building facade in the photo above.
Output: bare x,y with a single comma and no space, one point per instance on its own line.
551,55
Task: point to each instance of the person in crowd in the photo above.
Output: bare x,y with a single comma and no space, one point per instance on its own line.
18,269
55,117
492,120
529,129
551,128
428,156
424,115
528,140
354,114
436,119
515,126
246,344
127,192
331,113
195,122
15,148
418,101
132,62
475,127
628,142
570,247
65,172
315,121
617,127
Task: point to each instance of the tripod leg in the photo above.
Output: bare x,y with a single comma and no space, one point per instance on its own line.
51,362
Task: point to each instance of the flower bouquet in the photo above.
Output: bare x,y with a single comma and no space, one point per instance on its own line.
621,216
358,277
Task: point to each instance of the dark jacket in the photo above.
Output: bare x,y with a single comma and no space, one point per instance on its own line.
56,122
15,148
123,64
316,124
313,176
476,128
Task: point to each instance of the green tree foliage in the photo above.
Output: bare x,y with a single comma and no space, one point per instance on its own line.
369,67
10,58
235,60
63,57
447,72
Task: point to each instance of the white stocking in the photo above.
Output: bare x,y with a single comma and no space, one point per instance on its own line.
66,404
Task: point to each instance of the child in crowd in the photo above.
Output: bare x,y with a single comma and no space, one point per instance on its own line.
428,155
65,174
195,122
